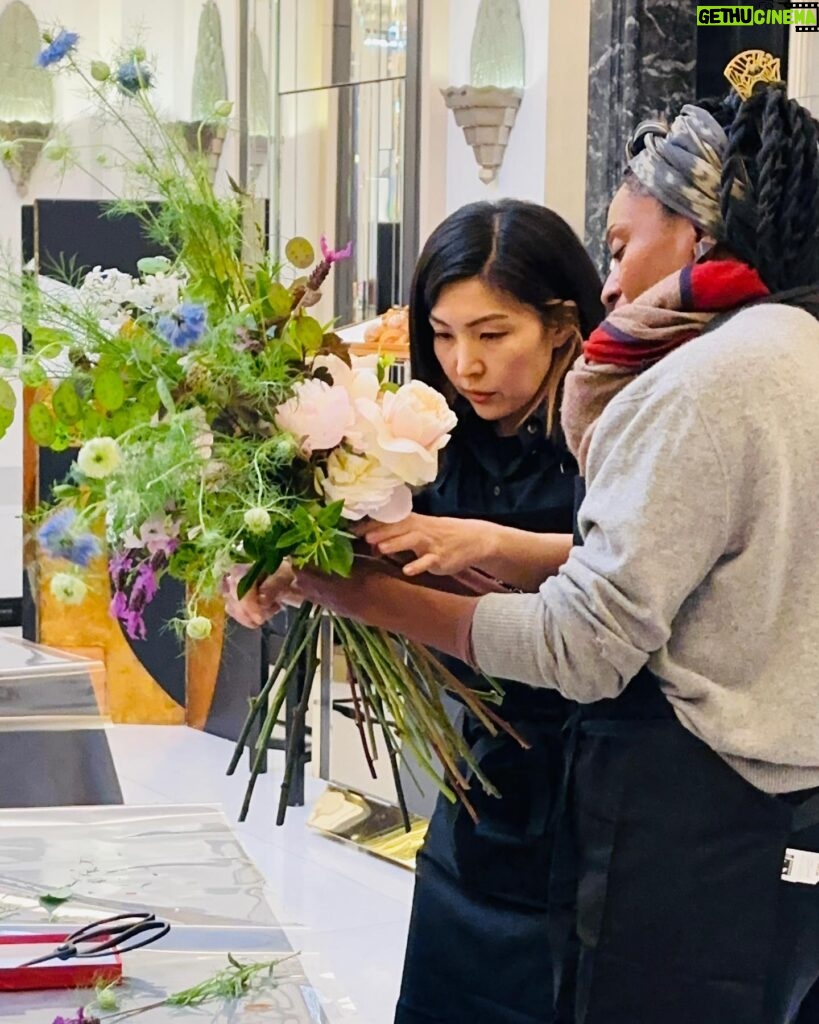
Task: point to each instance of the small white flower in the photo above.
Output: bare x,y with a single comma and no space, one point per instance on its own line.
257,520
67,588
199,627
99,457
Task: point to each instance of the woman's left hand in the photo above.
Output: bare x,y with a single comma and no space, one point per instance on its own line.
441,545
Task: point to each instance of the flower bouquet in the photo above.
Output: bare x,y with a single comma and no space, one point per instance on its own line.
217,422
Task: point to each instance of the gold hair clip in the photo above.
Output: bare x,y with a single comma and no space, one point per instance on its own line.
750,67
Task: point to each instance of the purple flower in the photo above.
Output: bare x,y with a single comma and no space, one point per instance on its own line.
146,584
57,535
120,564
134,625
79,1019
185,326
334,255
132,76
119,604
57,48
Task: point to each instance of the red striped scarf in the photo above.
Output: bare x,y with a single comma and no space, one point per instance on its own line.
639,334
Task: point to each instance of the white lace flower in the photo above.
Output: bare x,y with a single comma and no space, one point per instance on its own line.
99,457
257,520
199,627
67,588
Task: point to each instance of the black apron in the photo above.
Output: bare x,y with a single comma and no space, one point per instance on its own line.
668,905
477,951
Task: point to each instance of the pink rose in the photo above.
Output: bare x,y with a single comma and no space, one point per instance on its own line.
317,415
407,430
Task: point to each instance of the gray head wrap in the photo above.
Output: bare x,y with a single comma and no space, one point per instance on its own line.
683,167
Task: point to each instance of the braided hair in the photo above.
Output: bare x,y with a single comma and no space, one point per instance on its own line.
773,149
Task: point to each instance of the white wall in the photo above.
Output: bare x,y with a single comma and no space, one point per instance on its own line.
168,30
545,160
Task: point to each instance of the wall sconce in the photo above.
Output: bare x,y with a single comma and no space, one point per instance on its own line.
26,141
205,134
26,94
486,109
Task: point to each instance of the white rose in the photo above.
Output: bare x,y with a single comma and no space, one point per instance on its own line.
99,457
317,415
407,430
366,487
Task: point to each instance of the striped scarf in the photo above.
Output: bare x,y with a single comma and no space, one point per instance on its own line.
639,334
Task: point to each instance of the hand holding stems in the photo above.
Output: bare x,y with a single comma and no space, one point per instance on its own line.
445,546
264,599
441,545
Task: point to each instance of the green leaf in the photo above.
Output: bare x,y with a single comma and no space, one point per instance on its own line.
279,300
121,421
153,265
65,492
8,400
8,351
340,557
307,332
47,336
51,900
290,539
109,390
165,396
33,374
148,397
66,403
331,514
92,422
300,253
41,424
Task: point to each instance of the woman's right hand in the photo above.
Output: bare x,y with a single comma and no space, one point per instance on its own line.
442,546
264,599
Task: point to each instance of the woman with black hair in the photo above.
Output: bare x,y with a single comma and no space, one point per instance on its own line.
685,624
501,297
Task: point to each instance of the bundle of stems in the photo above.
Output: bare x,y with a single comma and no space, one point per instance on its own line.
396,688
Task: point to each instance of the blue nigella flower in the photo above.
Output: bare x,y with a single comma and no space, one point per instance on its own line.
132,76
185,326
57,535
62,44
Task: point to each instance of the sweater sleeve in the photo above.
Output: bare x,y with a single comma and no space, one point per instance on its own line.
654,522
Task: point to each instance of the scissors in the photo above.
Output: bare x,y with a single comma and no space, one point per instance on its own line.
112,935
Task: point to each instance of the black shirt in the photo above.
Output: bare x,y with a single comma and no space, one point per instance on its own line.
524,481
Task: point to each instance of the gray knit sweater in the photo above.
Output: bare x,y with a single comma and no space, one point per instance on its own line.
701,552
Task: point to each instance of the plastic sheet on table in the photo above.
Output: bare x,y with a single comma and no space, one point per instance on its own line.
182,862
41,688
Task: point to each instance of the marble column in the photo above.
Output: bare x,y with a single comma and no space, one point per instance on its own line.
642,61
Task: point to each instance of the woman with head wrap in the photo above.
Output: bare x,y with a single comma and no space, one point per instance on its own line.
685,624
